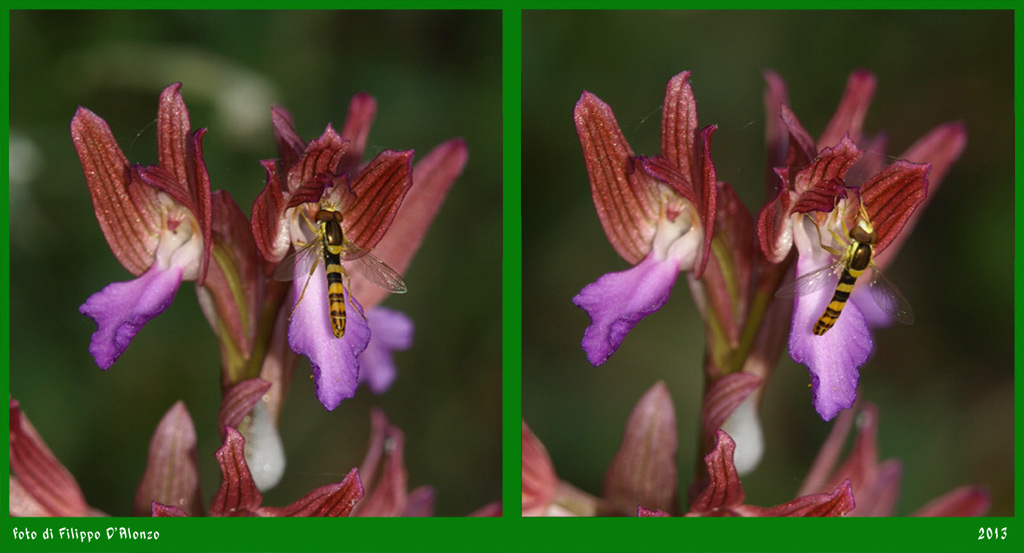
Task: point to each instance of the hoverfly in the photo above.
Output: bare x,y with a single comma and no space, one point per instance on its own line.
330,245
849,265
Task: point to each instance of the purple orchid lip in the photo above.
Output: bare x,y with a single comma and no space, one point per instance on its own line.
617,301
390,331
123,308
833,358
335,360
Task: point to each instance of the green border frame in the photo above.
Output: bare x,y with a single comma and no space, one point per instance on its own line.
511,532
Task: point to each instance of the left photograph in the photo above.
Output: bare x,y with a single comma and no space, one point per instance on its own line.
241,282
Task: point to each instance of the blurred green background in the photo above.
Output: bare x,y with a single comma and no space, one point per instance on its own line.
944,386
435,75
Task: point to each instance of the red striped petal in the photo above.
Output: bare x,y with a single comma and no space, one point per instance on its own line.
679,141
626,199
891,196
849,116
362,109
237,495
238,403
723,488
379,189
332,500
432,177
644,469
49,487
128,212
172,470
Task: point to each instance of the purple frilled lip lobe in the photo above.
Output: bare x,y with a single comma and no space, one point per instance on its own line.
121,309
657,212
156,219
616,302
834,357
392,331
335,360
824,185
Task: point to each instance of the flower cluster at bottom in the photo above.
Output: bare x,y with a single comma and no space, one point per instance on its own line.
642,479
41,486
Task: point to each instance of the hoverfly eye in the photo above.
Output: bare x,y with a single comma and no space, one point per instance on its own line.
862,235
328,216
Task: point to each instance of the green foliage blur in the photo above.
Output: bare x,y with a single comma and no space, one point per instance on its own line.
944,386
435,76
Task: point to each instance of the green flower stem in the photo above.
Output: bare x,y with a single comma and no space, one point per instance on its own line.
273,301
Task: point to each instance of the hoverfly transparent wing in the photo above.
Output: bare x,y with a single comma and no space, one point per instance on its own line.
825,277
372,269
305,258
889,299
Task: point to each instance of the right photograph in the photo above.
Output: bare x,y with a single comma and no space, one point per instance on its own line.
768,263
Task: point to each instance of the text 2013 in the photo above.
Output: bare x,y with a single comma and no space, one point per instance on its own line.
992,533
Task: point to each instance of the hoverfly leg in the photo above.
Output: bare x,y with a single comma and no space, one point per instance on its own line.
303,294
835,237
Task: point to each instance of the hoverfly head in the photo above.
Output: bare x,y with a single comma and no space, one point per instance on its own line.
864,232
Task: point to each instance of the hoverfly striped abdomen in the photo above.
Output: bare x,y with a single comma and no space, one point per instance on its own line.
334,241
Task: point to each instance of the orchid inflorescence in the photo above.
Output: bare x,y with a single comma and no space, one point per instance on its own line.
165,225
835,209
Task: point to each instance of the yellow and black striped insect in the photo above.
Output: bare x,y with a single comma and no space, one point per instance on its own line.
850,264
330,245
